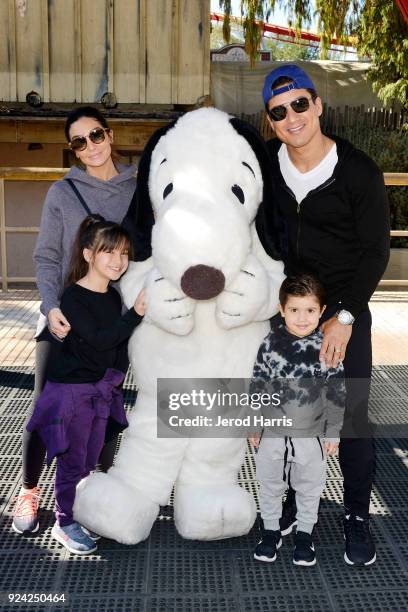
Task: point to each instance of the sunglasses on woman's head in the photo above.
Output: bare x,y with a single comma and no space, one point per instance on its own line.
300,105
97,135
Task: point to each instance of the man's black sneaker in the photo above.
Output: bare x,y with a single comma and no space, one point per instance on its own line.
288,518
304,552
268,545
360,547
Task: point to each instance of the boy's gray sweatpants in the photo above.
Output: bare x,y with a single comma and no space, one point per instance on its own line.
306,460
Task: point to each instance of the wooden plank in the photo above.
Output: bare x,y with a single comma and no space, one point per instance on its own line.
45,50
94,44
194,29
29,51
110,44
78,50
126,55
31,174
175,49
206,49
158,64
12,51
63,51
396,178
3,237
142,50
127,132
22,229
4,52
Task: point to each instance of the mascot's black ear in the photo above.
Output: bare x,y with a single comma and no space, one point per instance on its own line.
267,223
139,218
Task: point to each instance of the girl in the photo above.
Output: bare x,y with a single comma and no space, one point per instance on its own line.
81,391
99,185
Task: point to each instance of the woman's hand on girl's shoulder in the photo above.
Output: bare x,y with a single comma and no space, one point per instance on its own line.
140,304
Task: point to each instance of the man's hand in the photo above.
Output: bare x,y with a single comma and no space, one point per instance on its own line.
331,446
255,439
57,323
336,337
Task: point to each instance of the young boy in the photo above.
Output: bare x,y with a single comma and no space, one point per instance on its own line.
315,407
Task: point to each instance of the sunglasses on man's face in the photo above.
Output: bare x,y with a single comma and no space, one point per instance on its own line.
300,105
97,135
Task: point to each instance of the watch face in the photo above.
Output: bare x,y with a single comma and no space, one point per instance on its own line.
345,317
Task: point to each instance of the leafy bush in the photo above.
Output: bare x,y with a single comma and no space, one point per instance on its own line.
390,151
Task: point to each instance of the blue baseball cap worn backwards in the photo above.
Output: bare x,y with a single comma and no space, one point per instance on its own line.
299,77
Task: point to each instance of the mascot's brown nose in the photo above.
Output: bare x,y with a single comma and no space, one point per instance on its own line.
202,282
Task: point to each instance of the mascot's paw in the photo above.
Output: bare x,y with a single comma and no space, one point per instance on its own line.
241,301
167,306
113,509
213,513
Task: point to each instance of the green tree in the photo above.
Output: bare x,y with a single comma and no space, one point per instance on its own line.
383,36
379,28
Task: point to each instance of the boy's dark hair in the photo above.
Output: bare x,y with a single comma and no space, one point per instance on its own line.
283,80
97,235
83,111
301,286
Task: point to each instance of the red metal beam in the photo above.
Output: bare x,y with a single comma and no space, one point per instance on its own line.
403,7
282,30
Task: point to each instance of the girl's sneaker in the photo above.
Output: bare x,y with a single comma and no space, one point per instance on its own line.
304,553
25,517
74,539
94,536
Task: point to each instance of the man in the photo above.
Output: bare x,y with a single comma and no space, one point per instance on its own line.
332,214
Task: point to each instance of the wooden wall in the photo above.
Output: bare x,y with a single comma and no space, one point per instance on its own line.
144,51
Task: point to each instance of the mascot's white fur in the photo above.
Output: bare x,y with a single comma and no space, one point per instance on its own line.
210,291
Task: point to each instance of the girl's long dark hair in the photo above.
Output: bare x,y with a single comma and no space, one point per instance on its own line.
96,234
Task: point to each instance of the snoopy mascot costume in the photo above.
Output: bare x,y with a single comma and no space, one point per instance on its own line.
210,291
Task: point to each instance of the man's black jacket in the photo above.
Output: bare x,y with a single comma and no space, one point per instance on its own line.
340,232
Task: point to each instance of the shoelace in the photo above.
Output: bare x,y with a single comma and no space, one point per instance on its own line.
357,529
27,503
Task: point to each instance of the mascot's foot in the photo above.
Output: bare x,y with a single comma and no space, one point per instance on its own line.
113,509
213,513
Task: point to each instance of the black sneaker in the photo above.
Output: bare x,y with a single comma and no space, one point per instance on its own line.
360,547
304,552
268,545
288,520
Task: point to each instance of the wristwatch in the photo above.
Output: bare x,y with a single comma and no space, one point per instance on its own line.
345,317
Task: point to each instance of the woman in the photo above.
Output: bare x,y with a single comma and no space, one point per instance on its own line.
98,185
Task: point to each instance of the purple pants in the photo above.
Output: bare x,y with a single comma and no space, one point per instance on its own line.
86,433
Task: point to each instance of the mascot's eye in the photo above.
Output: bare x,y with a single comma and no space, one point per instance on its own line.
237,191
168,189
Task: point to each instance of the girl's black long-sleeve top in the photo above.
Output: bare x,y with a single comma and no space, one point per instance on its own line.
98,337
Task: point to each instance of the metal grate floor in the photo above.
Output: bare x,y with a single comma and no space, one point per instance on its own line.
169,574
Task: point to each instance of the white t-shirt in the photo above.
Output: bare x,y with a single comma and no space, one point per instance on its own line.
303,182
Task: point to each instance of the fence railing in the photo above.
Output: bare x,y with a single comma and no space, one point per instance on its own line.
53,174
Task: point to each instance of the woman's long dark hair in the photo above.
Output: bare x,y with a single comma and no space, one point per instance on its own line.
97,235
84,111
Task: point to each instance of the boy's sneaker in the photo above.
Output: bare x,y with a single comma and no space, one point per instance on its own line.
94,536
360,547
74,539
289,510
268,545
25,518
304,553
